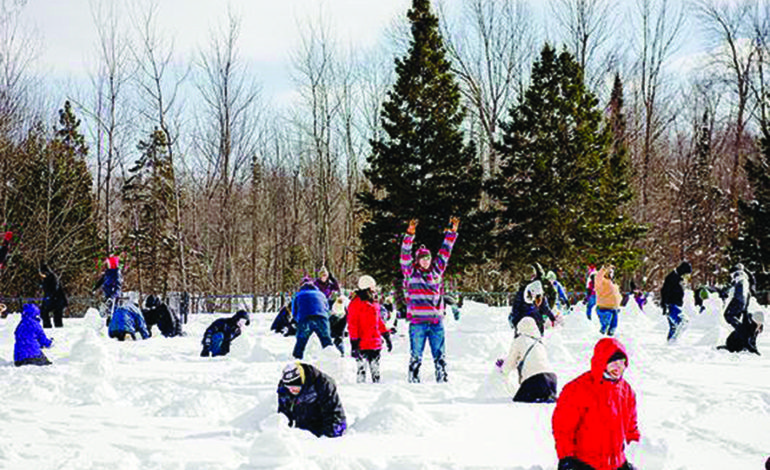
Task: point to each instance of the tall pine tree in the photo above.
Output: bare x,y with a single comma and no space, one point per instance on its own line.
555,191
421,168
752,246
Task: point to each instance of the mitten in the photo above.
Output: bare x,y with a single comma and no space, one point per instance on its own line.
388,342
499,363
412,228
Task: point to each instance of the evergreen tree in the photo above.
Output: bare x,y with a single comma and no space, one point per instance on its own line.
149,194
421,167
557,196
752,246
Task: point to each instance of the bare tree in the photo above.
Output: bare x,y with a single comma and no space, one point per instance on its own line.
491,61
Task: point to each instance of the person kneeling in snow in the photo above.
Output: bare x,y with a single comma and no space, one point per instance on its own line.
308,397
158,313
222,332
595,415
126,322
537,383
744,337
367,330
284,322
30,338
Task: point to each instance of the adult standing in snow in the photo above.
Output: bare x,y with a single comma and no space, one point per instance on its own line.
311,311
672,298
744,338
737,309
54,298
111,282
608,299
595,415
309,398
327,284
537,382
367,330
5,248
423,282
221,333
158,313
126,321
30,339
590,290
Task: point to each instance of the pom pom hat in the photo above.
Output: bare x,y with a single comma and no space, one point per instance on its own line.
293,374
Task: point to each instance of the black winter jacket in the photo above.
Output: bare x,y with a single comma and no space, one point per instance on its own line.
227,326
522,309
53,294
167,321
672,292
317,407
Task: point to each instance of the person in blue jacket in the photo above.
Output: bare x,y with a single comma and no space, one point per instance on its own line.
111,283
30,339
126,322
311,312
221,332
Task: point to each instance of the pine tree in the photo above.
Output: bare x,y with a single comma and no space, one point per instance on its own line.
752,246
421,168
556,191
149,194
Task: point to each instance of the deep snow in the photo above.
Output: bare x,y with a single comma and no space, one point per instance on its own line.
156,404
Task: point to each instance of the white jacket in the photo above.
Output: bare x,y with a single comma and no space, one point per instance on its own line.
536,361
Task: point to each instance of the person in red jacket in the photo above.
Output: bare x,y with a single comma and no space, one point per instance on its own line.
367,330
595,415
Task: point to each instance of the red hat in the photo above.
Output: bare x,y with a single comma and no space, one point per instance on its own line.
8,236
112,262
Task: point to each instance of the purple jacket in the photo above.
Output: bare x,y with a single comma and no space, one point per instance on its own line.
29,335
327,288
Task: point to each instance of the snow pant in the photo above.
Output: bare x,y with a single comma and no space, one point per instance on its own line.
308,326
434,333
540,388
608,317
674,319
590,304
40,360
575,464
371,357
734,314
47,310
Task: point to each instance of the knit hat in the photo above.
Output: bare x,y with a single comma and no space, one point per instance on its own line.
422,252
367,282
8,236
112,262
242,314
616,356
293,374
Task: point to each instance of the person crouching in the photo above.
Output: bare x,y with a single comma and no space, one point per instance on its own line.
309,398
537,382
126,322
30,339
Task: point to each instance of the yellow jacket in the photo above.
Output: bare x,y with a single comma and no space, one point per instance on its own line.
607,292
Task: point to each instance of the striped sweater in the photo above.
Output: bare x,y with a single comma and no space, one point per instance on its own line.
424,300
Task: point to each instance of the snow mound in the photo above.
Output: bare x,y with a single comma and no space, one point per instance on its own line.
260,354
396,411
207,404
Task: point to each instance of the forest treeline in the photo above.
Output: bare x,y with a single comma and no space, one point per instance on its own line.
567,142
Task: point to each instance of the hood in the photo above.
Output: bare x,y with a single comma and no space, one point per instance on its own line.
241,314
30,311
603,350
527,326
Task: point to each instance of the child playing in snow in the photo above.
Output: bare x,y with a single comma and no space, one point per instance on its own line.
537,382
111,283
367,330
30,338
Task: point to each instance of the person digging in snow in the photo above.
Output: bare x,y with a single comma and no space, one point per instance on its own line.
221,333
126,321
423,282
311,311
30,339
595,415
672,298
158,313
537,382
744,337
309,398
367,330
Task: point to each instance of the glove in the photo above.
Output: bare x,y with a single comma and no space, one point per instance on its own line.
455,221
354,348
412,228
499,363
388,342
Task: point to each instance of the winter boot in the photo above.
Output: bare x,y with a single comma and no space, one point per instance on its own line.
441,375
414,372
360,370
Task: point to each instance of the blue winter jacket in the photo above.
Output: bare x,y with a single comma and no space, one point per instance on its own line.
128,319
30,336
111,283
309,302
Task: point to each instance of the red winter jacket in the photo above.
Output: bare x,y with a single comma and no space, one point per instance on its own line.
365,324
594,417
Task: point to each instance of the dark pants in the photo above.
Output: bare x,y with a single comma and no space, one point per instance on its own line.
540,388
57,311
371,357
308,326
40,360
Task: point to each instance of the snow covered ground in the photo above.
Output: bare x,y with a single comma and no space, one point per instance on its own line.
156,404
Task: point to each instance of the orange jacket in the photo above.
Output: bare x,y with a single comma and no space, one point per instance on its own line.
607,292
